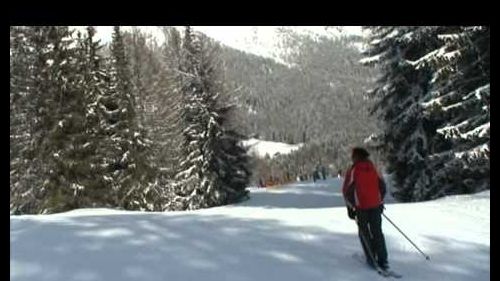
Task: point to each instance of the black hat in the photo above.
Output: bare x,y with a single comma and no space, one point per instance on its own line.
360,153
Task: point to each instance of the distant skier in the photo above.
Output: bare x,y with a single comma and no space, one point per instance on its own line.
315,175
364,190
261,183
339,175
323,172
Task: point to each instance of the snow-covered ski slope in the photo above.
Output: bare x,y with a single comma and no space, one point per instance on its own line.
295,233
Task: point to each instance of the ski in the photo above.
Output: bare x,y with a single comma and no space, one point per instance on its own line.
389,273
380,271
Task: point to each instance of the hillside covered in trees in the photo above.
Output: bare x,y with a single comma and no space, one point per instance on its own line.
317,98
143,124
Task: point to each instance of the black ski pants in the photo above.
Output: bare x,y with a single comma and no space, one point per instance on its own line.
370,229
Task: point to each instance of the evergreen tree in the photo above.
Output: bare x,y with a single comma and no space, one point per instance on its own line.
23,165
96,189
61,105
169,129
398,92
458,105
203,177
130,173
434,99
154,80
232,166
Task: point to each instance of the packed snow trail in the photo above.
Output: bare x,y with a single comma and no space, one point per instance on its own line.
298,232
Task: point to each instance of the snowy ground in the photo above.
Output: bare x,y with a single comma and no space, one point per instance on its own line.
300,232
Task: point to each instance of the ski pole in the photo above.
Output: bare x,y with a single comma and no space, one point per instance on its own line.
426,256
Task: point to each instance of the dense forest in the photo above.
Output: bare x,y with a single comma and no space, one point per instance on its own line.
143,124
130,125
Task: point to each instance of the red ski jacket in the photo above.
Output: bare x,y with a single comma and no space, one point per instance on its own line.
363,188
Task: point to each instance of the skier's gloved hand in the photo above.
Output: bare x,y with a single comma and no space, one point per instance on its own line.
381,208
351,212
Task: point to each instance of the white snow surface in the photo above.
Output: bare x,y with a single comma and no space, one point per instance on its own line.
261,148
296,232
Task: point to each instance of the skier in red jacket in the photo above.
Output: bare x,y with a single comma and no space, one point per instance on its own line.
364,190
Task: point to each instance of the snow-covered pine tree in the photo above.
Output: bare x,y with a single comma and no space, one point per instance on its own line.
95,191
53,109
148,83
232,166
170,132
142,72
153,80
398,92
24,180
458,104
127,148
208,148
136,52
172,47
231,161
61,108
189,192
